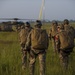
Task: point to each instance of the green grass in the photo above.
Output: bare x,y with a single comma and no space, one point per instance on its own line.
10,57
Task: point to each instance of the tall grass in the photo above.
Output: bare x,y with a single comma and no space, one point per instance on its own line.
10,58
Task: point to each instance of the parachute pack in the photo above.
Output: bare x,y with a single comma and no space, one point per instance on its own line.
39,39
66,40
70,30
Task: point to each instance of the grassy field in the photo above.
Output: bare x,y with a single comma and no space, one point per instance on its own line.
10,57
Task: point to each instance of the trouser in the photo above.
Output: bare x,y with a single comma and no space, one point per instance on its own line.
42,58
64,58
24,55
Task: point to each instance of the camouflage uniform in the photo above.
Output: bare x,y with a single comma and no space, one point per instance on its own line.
42,57
52,33
34,53
63,55
24,52
69,28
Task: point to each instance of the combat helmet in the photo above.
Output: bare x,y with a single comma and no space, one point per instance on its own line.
54,22
38,23
66,21
27,24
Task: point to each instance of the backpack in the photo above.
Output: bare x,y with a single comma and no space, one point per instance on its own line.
39,39
70,30
23,35
66,40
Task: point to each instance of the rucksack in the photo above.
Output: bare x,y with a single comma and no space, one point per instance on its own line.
70,30
23,35
39,39
66,40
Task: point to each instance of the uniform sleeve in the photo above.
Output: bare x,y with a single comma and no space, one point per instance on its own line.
28,42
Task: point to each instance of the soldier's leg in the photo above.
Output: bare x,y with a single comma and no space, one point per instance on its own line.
42,59
24,57
32,59
64,60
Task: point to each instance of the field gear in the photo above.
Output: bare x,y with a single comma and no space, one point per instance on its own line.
70,30
38,23
39,39
66,21
23,35
52,33
66,40
64,46
54,22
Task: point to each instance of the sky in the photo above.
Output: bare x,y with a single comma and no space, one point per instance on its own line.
29,9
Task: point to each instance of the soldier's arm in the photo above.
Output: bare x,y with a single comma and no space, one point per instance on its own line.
28,42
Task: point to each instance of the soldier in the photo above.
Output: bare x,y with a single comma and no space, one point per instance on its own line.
23,38
38,41
68,27
52,33
64,46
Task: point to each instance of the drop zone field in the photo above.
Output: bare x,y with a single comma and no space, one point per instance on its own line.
10,57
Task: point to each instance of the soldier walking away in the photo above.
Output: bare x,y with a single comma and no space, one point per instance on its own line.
70,29
64,46
23,34
52,33
38,41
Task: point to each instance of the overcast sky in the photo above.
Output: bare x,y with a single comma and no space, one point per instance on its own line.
29,9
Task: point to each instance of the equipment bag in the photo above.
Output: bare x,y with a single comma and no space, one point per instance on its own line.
70,30
39,39
66,40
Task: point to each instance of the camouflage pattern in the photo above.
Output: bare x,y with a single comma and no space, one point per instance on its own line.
63,54
24,52
68,27
24,56
52,33
42,58
34,53
64,60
